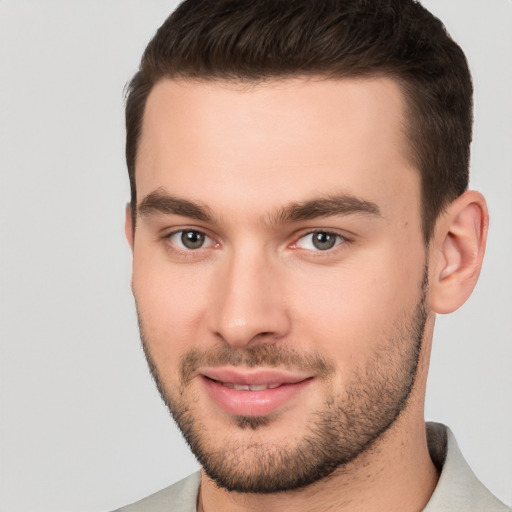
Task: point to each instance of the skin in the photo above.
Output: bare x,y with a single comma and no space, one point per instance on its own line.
245,153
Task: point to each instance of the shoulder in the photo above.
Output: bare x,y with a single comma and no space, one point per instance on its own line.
458,488
179,497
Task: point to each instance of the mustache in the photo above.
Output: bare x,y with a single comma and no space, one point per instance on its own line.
260,355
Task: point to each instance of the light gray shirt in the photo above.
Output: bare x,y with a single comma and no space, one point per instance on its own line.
458,489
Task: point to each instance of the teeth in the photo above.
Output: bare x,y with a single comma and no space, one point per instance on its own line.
250,387
261,387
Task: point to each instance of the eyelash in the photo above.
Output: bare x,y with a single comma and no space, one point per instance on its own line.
174,246
185,250
339,240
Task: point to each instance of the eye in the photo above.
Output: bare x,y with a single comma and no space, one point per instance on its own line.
319,241
190,239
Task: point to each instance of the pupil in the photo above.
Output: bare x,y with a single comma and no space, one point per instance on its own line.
324,241
192,239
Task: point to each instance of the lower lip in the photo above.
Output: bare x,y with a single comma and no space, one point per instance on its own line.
252,403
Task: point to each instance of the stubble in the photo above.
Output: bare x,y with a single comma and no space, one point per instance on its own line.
347,424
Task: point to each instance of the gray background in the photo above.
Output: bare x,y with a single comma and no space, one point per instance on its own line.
82,428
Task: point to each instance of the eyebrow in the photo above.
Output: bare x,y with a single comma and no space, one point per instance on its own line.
160,202
328,206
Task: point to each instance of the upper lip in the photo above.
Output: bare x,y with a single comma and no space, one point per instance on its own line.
252,376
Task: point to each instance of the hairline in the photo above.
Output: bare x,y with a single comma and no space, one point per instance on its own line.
407,126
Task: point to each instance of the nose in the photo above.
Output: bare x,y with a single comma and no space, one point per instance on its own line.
249,305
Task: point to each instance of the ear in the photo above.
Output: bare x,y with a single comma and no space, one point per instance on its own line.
128,225
457,250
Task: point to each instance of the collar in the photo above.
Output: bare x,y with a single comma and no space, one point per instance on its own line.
458,488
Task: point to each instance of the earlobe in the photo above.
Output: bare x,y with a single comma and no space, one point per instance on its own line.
128,225
457,251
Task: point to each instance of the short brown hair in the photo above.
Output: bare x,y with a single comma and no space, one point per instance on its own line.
256,40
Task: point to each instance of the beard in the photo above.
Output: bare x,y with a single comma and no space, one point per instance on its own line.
348,424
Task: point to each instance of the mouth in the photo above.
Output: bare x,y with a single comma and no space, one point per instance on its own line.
252,393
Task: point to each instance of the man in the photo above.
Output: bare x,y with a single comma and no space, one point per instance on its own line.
299,215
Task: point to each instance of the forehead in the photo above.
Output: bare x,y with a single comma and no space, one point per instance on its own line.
286,138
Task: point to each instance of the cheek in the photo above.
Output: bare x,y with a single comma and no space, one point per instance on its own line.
168,305
348,312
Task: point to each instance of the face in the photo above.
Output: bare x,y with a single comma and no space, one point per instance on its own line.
279,271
